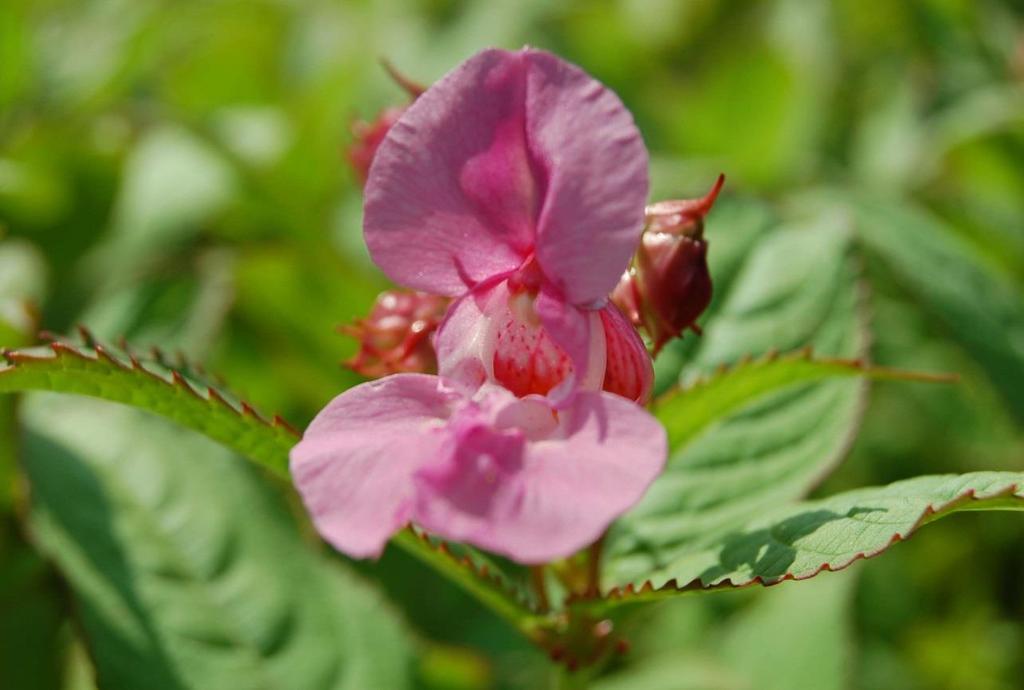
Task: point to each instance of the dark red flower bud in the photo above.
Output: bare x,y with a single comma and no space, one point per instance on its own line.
367,136
396,336
668,285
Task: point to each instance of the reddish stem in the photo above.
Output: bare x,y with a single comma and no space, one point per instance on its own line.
540,588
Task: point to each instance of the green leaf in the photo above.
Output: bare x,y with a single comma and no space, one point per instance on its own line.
982,308
683,671
31,611
815,654
15,68
154,385
745,650
183,310
479,576
31,615
22,284
734,460
799,541
179,393
689,410
710,114
173,183
186,570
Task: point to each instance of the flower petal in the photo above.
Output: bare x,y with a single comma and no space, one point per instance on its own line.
354,466
510,153
579,333
465,340
629,369
555,496
596,178
452,196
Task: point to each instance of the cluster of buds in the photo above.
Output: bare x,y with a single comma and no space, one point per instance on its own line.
367,136
668,284
397,335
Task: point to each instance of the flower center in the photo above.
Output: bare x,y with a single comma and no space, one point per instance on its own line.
526,359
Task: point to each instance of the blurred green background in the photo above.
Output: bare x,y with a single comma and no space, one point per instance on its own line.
174,172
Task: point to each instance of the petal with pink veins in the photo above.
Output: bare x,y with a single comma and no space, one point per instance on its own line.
510,153
596,165
451,197
354,466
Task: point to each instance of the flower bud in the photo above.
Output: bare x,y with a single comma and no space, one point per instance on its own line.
668,285
367,136
396,336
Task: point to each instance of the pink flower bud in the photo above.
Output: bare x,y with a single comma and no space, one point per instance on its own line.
668,285
367,136
396,336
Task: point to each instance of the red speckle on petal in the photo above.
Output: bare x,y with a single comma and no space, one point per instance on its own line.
526,360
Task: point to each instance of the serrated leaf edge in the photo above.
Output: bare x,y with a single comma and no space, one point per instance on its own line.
479,570
62,349
646,591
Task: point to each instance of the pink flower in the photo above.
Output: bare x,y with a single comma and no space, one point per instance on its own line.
504,473
516,184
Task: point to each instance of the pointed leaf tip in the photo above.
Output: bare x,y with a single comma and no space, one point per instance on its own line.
826,535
